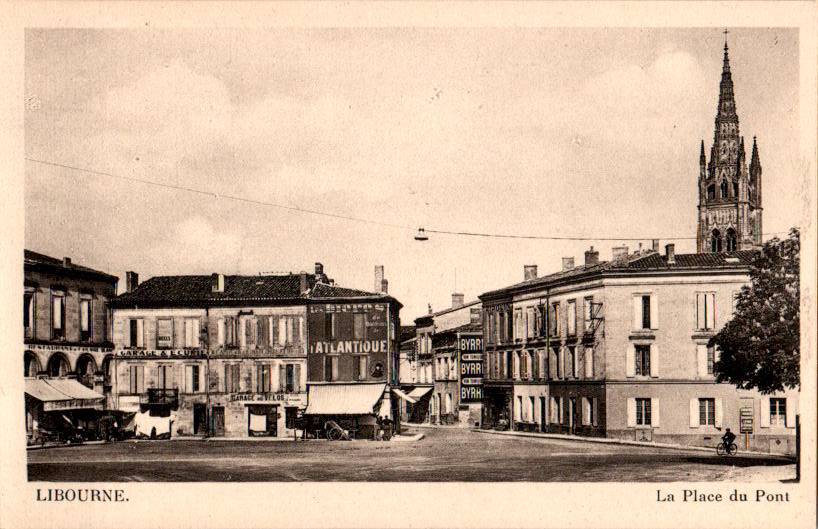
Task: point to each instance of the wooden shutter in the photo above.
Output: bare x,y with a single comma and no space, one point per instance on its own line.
263,333
765,412
220,331
654,360
654,311
188,379
694,413
719,413
282,330
701,360
589,362
297,378
699,310
595,402
282,378
711,311
791,411
630,361
631,404
654,412
637,312
576,364
274,330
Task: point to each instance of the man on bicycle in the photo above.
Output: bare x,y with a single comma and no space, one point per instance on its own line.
727,439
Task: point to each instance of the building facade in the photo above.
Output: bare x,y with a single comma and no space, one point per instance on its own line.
67,349
729,191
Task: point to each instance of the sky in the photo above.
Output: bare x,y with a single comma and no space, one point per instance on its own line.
578,132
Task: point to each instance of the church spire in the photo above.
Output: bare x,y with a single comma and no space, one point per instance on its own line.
727,103
754,160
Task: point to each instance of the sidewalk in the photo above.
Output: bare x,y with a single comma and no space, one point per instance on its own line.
605,440
434,426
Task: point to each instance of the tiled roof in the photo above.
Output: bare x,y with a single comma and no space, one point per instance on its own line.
34,258
641,262
322,290
197,289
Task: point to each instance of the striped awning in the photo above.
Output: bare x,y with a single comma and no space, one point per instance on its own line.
343,399
62,394
419,392
404,396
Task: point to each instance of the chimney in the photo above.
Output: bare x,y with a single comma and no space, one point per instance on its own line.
655,245
217,283
384,287
620,253
66,262
302,282
457,300
529,272
591,257
131,281
567,263
670,250
430,309
378,277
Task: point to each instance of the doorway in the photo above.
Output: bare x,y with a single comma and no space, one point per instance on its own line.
217,416
199,419
572,415
542,414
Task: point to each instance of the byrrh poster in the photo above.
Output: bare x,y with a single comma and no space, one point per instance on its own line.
241,239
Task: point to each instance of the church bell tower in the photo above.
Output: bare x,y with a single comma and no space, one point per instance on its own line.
729,191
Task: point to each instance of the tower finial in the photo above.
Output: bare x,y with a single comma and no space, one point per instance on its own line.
725,38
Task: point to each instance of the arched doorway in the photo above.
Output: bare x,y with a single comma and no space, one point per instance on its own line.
86,369
715,241
58,365
31,365
107,372
731,241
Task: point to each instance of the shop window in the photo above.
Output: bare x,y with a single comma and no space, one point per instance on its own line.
707,412
85,320
58,315
290,416
778,412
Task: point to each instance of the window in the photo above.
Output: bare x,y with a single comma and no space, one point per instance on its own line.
715,241
730,242
531,410
643,412
28,314
330,326
555,361
58,315
518,324
778,412
192,332
330,368
587,306
164,376
137,332
711,359
707,412
449,403
263,378
589,362
192,379
553,319
509,327
735,189
289,378
588,415
723,189
556,410
85,320
360,367
642,359
359,325
711,191
705,311
572,317
518,412
137,379
164,333
646,312
232,372
571,362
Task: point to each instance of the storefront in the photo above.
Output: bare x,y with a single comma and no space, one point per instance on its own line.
360,408
257,414
59,405
497,405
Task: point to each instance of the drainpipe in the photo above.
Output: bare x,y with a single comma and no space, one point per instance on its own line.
207,372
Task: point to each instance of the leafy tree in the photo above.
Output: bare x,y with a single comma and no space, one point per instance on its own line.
760,346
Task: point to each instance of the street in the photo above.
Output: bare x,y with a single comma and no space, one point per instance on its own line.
443,455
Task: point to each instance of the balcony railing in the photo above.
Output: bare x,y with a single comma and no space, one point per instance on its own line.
169,396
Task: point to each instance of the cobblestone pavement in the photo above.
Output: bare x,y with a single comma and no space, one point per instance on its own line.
443,455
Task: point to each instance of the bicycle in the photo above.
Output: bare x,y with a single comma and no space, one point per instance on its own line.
730,450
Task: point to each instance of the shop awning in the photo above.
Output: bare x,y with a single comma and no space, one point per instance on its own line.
343,399
62,394
419,392
404,396
385,411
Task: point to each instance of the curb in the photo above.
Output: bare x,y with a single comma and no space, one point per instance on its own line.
66,445
407,438
436,426
604,440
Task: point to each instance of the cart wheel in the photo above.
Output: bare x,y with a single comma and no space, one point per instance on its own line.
334,434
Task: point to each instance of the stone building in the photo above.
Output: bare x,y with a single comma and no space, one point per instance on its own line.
67,346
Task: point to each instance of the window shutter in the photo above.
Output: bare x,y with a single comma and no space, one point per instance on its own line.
562,410
576,364
274,330
156,377
586,412
631,412
220,332
562,364
282,377
791,412
202,378
711,311
297,378
589,362
694,413
765,412
654,311
141,380
596,411
701,360
282,330
630,361
654,360
188,379
719,413
637,312
654,412
301,338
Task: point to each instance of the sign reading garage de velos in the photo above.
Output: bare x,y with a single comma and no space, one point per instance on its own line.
299,399
160,353
471,368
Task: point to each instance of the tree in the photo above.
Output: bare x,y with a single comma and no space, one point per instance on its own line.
760,346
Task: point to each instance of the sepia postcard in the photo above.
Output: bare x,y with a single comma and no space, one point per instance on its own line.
409,264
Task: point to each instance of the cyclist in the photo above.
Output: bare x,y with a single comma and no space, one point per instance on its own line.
727,439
